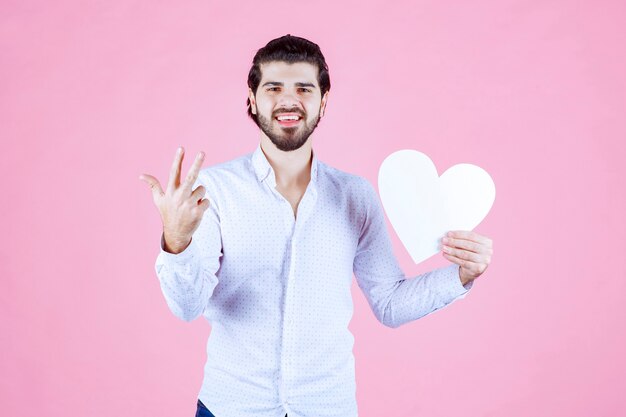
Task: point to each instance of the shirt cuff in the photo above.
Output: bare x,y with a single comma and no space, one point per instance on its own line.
179,258
450,281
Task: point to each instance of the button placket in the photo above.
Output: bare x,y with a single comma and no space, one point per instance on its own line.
293,225
289,307
286,360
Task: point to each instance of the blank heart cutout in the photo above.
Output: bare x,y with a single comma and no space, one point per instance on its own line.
422,207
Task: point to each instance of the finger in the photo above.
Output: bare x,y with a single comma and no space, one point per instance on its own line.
465,244
154,184
462,254
174,180
461,262
474,268
198,193
204,204
475,259
469,235
192,175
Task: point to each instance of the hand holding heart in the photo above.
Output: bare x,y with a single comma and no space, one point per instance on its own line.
471,251
423,206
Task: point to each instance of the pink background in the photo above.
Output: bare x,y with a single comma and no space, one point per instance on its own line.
92,94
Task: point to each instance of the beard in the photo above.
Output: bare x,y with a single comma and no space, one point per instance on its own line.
287,138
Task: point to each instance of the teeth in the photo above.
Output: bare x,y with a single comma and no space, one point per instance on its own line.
288,118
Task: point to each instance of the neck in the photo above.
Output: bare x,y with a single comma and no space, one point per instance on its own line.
292,169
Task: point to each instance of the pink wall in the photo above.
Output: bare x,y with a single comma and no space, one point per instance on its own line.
93,94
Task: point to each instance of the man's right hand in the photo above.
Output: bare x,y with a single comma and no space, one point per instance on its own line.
181,208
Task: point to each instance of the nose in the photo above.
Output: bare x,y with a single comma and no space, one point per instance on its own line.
288,100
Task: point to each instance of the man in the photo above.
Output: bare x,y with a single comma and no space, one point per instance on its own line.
268,256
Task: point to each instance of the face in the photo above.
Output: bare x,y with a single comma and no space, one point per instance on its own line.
287,92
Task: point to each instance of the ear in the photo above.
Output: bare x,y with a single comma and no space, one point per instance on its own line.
252,101
323,103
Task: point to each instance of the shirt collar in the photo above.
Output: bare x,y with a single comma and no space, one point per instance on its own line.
262,167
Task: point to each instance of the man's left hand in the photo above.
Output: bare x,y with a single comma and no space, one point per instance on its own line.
471,251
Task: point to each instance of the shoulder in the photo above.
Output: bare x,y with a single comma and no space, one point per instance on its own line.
352,190
343,180
356,186
353,194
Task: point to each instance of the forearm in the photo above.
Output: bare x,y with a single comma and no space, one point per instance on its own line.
186,284
414,298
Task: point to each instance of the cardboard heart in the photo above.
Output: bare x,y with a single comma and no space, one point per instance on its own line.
422,207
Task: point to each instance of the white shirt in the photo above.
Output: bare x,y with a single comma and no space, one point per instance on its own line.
276,288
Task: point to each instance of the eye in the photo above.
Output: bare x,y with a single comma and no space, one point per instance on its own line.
305,90
272,88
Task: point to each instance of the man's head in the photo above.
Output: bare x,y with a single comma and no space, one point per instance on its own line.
289,77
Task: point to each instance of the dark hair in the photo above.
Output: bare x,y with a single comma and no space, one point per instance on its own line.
290,49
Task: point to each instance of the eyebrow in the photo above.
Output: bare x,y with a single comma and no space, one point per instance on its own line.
281,84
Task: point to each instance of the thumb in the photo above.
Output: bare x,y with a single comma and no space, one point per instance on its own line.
154,184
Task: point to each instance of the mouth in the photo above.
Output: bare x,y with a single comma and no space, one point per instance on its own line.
288,119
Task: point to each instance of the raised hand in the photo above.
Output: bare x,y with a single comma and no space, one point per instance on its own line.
181,208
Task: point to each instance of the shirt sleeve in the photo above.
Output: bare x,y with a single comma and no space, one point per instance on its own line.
395,299
188,278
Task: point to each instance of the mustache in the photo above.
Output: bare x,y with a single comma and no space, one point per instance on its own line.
297,111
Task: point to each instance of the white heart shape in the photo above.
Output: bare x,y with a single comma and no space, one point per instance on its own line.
422,207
